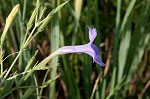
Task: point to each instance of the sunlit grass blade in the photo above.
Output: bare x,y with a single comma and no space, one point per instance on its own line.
78,6
113,80
28,92
103,88
124,47
54,46
116,42
125,36
138,38
117,87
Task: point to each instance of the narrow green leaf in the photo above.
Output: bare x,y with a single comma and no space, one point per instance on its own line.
7,88
27,93
124,48
54,46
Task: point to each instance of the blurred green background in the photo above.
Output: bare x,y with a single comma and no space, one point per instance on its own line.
123,38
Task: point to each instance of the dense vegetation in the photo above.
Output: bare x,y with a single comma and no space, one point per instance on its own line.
33,31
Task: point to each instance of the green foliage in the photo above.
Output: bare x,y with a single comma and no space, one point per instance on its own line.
34,30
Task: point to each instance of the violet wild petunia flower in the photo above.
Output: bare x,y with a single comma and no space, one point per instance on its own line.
89,48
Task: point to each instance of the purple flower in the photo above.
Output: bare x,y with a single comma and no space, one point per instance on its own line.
90,48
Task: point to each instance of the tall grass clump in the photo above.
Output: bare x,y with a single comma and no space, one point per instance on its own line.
34,34
23,80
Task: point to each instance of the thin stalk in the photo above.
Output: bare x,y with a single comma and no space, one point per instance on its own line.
27,41
44,81
20,74
52,55
13,64
117,33
24,9
36,84
21,50
1,61
25,37
1,50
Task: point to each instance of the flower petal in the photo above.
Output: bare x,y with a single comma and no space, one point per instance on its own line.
89,48
74,49
97,60
93,51
92,34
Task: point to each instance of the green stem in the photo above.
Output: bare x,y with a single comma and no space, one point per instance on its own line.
1,53
27,41
21,50
1,48
13,64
